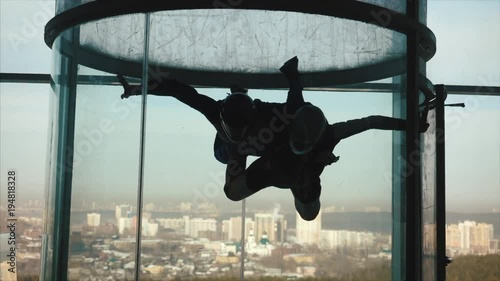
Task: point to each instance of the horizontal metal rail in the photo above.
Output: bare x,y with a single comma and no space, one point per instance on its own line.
37,78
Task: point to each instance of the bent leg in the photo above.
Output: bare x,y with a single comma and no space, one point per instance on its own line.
290,70
309,211
307,201
256,177
281,169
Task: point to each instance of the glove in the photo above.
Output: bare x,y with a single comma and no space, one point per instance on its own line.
127,89
163,87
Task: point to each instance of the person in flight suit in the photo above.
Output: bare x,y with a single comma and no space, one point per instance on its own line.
293,139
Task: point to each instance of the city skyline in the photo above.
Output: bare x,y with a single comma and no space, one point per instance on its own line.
465,237
96,250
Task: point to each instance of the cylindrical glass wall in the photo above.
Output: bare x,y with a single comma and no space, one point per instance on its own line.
94,161
189,228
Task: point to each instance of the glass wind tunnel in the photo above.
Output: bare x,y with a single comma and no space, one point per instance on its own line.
105,150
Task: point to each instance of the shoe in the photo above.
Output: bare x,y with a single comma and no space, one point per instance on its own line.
309,211
290,68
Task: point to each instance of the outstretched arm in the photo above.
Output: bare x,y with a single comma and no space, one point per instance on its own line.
349,128
182,92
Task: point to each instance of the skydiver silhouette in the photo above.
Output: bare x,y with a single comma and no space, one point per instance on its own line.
293,139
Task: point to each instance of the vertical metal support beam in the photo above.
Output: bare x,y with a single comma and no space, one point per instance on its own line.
440,185
413,187
398,183
243,224
55,254
140,189
64,175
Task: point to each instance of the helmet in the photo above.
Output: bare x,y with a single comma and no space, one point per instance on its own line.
237,114
306,129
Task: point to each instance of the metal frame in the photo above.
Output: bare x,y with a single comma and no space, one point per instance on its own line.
142,144
38,78
64,167
347,9
413,232
440,185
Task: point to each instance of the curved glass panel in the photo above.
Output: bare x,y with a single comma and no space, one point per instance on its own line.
120,37
259,41
246,41
189,226
56,164
94,155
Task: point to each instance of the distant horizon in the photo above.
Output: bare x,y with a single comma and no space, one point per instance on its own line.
286,203
25,195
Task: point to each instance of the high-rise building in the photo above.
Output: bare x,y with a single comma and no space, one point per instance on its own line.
452,236
234,228
122,211
308,232
331,239
175,224
192,226
482,234
94,219
225,229
469,237
279,228
465,234
125,223
273,225
149,229
264,224
186,224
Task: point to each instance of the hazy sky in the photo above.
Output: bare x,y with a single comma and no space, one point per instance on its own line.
179,155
